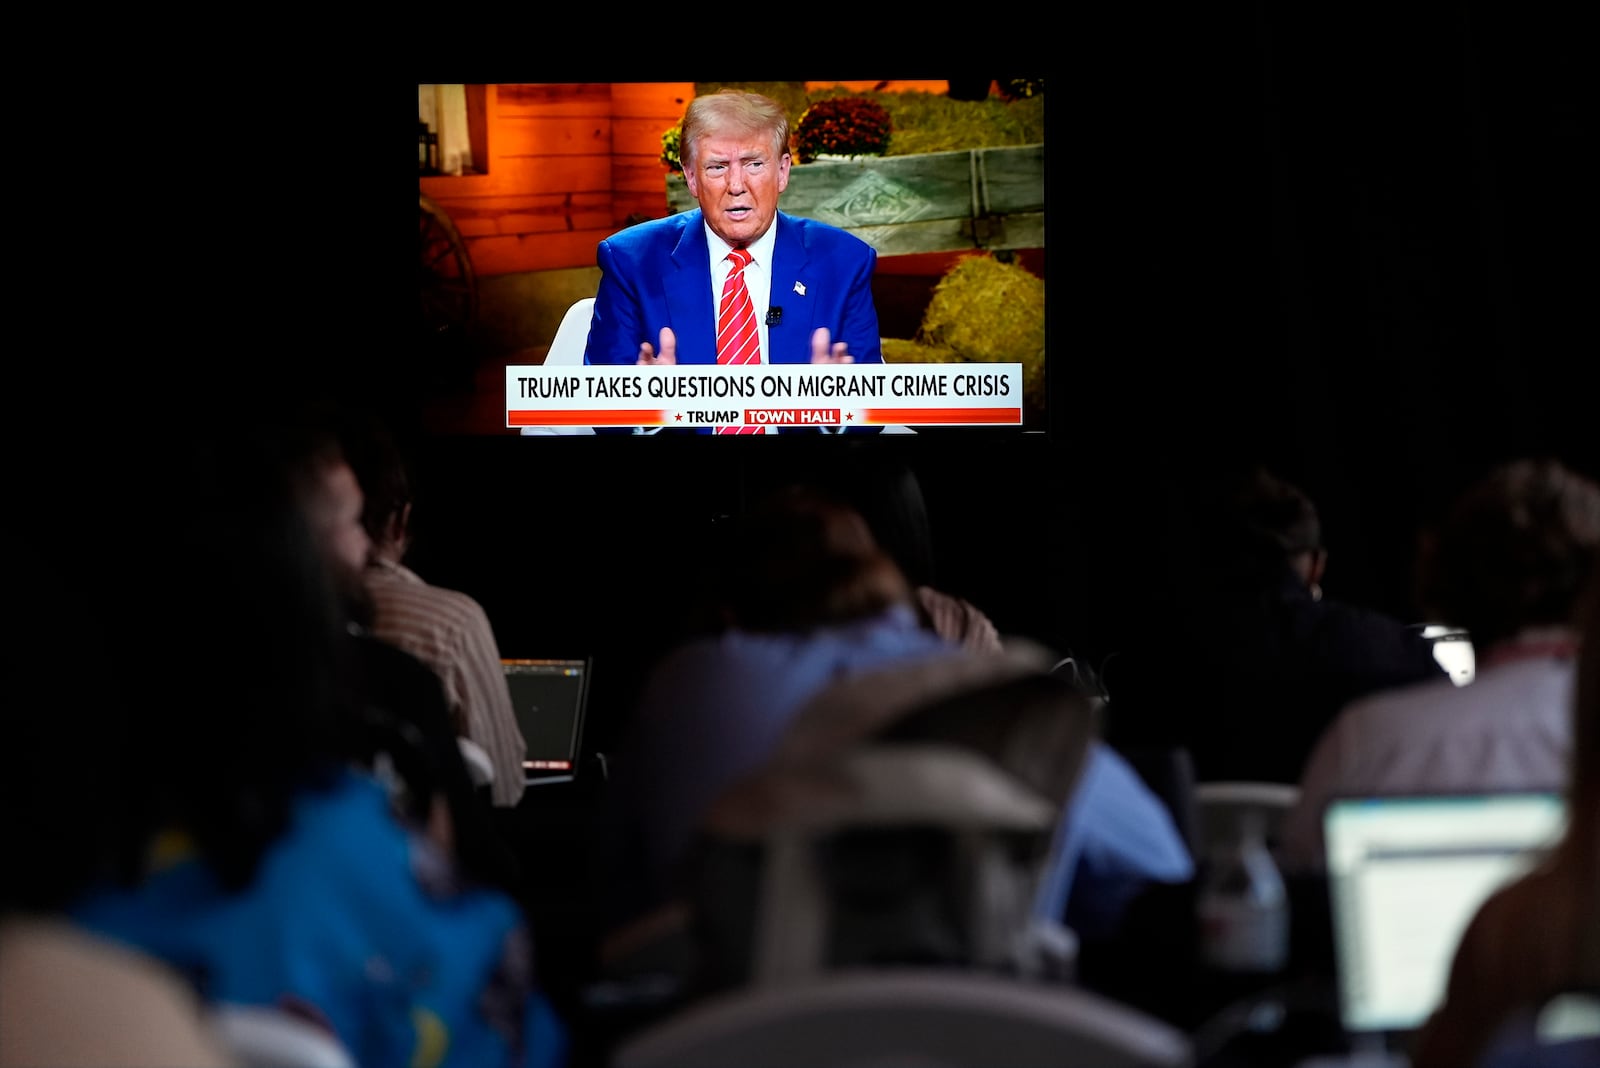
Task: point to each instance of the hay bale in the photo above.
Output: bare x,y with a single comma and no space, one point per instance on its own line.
986,311
904,350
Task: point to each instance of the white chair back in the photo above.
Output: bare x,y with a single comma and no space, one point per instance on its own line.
894,1018
572,336
1220,807
566,350
263,1037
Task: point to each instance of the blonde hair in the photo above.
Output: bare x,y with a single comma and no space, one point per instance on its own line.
732,112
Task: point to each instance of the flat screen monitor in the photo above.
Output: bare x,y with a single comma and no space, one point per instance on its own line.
522,182
549,698
1405,876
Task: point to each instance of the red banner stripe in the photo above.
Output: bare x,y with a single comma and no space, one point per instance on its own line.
912,416
602,418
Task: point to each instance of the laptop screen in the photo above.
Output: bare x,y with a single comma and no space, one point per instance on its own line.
1405,875
548,697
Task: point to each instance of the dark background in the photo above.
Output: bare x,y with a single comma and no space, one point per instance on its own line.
1353,245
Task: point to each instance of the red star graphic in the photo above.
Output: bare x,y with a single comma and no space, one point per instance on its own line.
679,417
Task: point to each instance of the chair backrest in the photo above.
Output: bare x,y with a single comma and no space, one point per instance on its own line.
896,1018
905,818
566,350
572,336
1219,808
263,1037
479,764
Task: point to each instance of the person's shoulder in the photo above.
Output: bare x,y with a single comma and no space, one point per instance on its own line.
668,227
709,672
1398,711
700,657
354,792
1370,641
817,234
1360,623
448,602
458,600
957,619
1406,697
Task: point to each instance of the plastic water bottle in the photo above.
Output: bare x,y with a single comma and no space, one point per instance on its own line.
1244,906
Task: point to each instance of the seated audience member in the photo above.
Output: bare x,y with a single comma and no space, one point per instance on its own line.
889,497
1539,936
813,604
1508,565
806,599
446,629
407,726
1269,659
68,996
263,866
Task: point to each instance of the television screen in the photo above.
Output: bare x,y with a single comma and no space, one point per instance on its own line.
520,183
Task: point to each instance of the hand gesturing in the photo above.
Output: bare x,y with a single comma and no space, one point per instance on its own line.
669,350
822,352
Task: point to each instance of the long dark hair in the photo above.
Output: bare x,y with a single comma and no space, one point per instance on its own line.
204,640
802,559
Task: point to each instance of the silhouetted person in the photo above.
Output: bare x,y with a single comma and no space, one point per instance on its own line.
407,725
446,629
1508,564
813,603
1539,936
254,857
889,496
67,993
1260,660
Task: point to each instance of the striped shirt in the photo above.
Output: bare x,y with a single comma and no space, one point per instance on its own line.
957,620
450,632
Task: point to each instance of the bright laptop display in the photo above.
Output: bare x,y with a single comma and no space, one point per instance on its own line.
1405,875
549,697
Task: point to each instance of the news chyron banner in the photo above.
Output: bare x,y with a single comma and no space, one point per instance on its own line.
712,395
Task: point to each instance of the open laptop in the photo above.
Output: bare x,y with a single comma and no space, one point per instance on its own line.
1405,875
549,697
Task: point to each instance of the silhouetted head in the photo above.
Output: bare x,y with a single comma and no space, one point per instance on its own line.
1515,551
1257,525
889,497
330,497
803,560
380,467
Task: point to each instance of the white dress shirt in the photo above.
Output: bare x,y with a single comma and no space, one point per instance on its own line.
757,276
1508,729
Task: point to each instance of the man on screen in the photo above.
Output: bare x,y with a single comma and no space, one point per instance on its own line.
662,281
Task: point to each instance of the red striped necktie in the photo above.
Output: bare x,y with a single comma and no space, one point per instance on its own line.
738,338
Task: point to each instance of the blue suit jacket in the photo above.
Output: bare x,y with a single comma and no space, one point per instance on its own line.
658,274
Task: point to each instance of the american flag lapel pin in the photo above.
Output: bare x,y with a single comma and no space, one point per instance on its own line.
800,288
